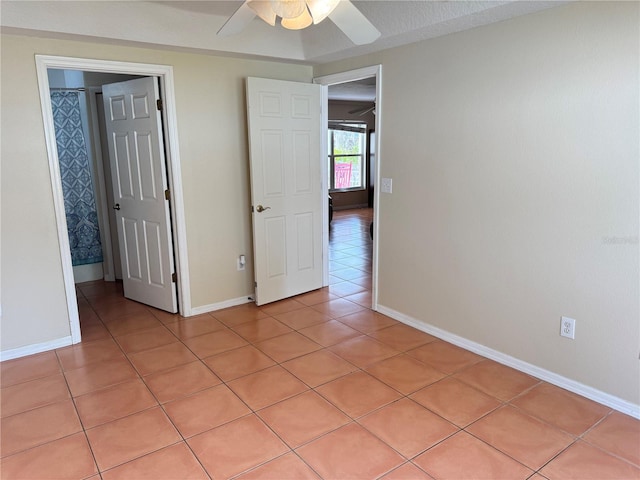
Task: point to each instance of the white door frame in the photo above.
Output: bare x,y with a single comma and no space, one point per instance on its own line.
334,79
165,74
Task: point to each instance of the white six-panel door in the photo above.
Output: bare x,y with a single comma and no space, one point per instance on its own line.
138,171
286,187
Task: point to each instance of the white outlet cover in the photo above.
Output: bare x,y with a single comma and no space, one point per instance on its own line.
386,185
568,327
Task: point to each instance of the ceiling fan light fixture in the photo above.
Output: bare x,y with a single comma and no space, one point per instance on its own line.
298,23
320,9
263,9
288,9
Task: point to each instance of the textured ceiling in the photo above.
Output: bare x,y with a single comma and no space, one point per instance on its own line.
192,25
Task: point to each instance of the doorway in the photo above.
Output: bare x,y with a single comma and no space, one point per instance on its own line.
165,77
367,75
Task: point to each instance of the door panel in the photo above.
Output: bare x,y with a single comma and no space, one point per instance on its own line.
284,140
138,171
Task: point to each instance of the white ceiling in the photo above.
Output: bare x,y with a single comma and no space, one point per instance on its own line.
192,25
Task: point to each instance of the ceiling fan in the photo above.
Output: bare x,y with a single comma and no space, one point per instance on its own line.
361,112
298,14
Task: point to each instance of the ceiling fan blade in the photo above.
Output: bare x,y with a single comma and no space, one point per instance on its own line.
353,23
363,111
238,21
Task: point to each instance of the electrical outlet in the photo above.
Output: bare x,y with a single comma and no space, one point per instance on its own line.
568,327
242,262
386,185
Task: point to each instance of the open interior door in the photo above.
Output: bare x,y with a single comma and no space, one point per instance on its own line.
286,187
138,173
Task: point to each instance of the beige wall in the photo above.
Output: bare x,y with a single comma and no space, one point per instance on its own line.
514,152
211,124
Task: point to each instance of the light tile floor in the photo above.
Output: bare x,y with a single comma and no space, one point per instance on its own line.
318,386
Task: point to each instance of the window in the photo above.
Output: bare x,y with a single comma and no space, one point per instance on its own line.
347,149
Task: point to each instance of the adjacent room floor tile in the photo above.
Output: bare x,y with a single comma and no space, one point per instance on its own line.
464,456
350,452
236,447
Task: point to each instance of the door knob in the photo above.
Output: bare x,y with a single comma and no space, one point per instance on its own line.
261,209
116,206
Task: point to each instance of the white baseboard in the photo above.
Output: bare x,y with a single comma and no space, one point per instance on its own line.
220,305
35,348
546,375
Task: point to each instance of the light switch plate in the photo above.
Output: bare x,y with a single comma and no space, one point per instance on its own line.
386,185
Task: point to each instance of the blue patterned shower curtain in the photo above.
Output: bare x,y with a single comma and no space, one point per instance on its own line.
79,200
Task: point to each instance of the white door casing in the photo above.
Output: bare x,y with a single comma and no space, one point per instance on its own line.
139,178
285,163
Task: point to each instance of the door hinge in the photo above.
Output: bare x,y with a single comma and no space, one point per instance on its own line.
167,194
174,277
159,104
255,284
